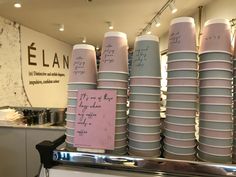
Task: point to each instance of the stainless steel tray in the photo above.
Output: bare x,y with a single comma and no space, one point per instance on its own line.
145,165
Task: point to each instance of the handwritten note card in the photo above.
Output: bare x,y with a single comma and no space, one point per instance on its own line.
95,119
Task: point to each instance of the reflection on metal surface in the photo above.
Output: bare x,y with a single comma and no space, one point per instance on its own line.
146,165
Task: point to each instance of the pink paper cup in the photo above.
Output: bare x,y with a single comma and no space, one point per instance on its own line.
70,124
119,84
213,133
185,128
216,36
182,82
145,81
70,139
114,55
180,112
71,109
182,65
215,64
176,96
222,150
144,136
144,121
182,26
215,100
215,82
180,142
211,116
83,66
141,105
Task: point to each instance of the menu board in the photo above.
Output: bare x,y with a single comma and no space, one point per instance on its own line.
95,119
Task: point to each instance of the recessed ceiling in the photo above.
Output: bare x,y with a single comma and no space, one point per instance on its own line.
88,17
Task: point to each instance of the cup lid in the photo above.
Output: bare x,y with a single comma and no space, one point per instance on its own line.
115,34
83,46
147,37
182,20
217,20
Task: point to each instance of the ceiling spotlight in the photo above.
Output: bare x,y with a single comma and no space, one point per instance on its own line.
61,27
17,5
97,47
172,7
110,25
84,40
157,21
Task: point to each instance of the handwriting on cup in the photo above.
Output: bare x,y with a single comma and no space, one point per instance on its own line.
140,55
108,54
89,106
175,38
79,66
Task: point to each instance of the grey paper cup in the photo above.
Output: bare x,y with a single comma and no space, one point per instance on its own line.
179,150
215,141
182,89
72,101
215,91
71,117
215,74
180,120
144,89
119,91
216,125
143,113
143,129
80,86
113,75
181,104
143,98
215,56
146,57
182,56
182,73
144,145
179,135
215,108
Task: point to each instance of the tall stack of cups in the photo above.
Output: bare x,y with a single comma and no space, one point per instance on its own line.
182,90
113,75
144,112
234,99
215,74
82,75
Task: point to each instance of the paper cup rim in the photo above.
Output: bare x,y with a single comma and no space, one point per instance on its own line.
196,86
147,37
85,83
136,101
216,78
179,154
215,69
218,138
69,128
182,69
180,139
143,101
194,101
216,112
115,34
148,110
182,60
145,77
214,51
144,149
67,120
141,117
140,133
113,72
209,61
217,20
141,141
145,94
182,51
182,78
210,104
180,93
146,126
189,109
69,135
152,86
218,155
218,130
172,131
84,46
185,117
182,147
70,113
182,20
121,110
221,87
223,147
111,80
107,87
177,124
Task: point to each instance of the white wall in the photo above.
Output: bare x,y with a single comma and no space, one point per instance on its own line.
15,89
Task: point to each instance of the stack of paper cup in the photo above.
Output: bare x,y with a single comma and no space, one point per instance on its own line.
234,100
113,75
215,74
82,75
144,112
182,90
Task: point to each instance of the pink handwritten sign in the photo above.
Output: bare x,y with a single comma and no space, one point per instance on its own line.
95,119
